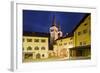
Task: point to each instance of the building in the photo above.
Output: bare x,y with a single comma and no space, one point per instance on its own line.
61,48
82,39
35,45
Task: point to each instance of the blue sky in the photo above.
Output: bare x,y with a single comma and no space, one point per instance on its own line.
40,21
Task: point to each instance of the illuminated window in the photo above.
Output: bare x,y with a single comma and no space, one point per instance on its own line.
43,40
29,48
36,48
36,40
29,40
79,33
43,48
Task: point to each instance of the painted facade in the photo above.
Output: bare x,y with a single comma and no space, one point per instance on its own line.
35,47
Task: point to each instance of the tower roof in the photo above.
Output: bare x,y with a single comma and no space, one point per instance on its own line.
59,28
54,21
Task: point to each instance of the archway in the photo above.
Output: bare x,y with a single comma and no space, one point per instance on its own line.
38,56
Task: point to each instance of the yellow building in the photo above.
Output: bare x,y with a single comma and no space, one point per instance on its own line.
82,39
61,48
35,46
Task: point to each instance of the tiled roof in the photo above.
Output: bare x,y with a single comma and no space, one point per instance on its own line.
38,34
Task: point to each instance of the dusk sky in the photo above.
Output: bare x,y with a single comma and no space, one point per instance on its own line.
40,21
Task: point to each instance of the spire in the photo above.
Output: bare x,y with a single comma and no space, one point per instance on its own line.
54,21
59,28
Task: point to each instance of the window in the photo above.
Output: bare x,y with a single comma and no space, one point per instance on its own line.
43,40
69,43
85,24
79,33
89,32
43,48
58,34
23,39
84,31
42,55
84,43
65,43
29,40
61,40
36,48
81,43
52,30
29,48
36,40
28,56
71,38
60,44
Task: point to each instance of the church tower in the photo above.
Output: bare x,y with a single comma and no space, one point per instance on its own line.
54,29
53,32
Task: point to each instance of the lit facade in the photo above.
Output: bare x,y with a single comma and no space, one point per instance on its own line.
35,46
62,46
82,39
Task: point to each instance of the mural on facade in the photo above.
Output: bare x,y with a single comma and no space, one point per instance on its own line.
56,36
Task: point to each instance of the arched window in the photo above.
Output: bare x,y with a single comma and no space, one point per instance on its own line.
42,48
36,48
29,48
38,56
43,55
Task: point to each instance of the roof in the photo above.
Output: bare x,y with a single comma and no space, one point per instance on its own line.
69,35
38,34
80,22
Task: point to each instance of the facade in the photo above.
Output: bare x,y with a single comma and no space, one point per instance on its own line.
82,39
62,46
35,46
